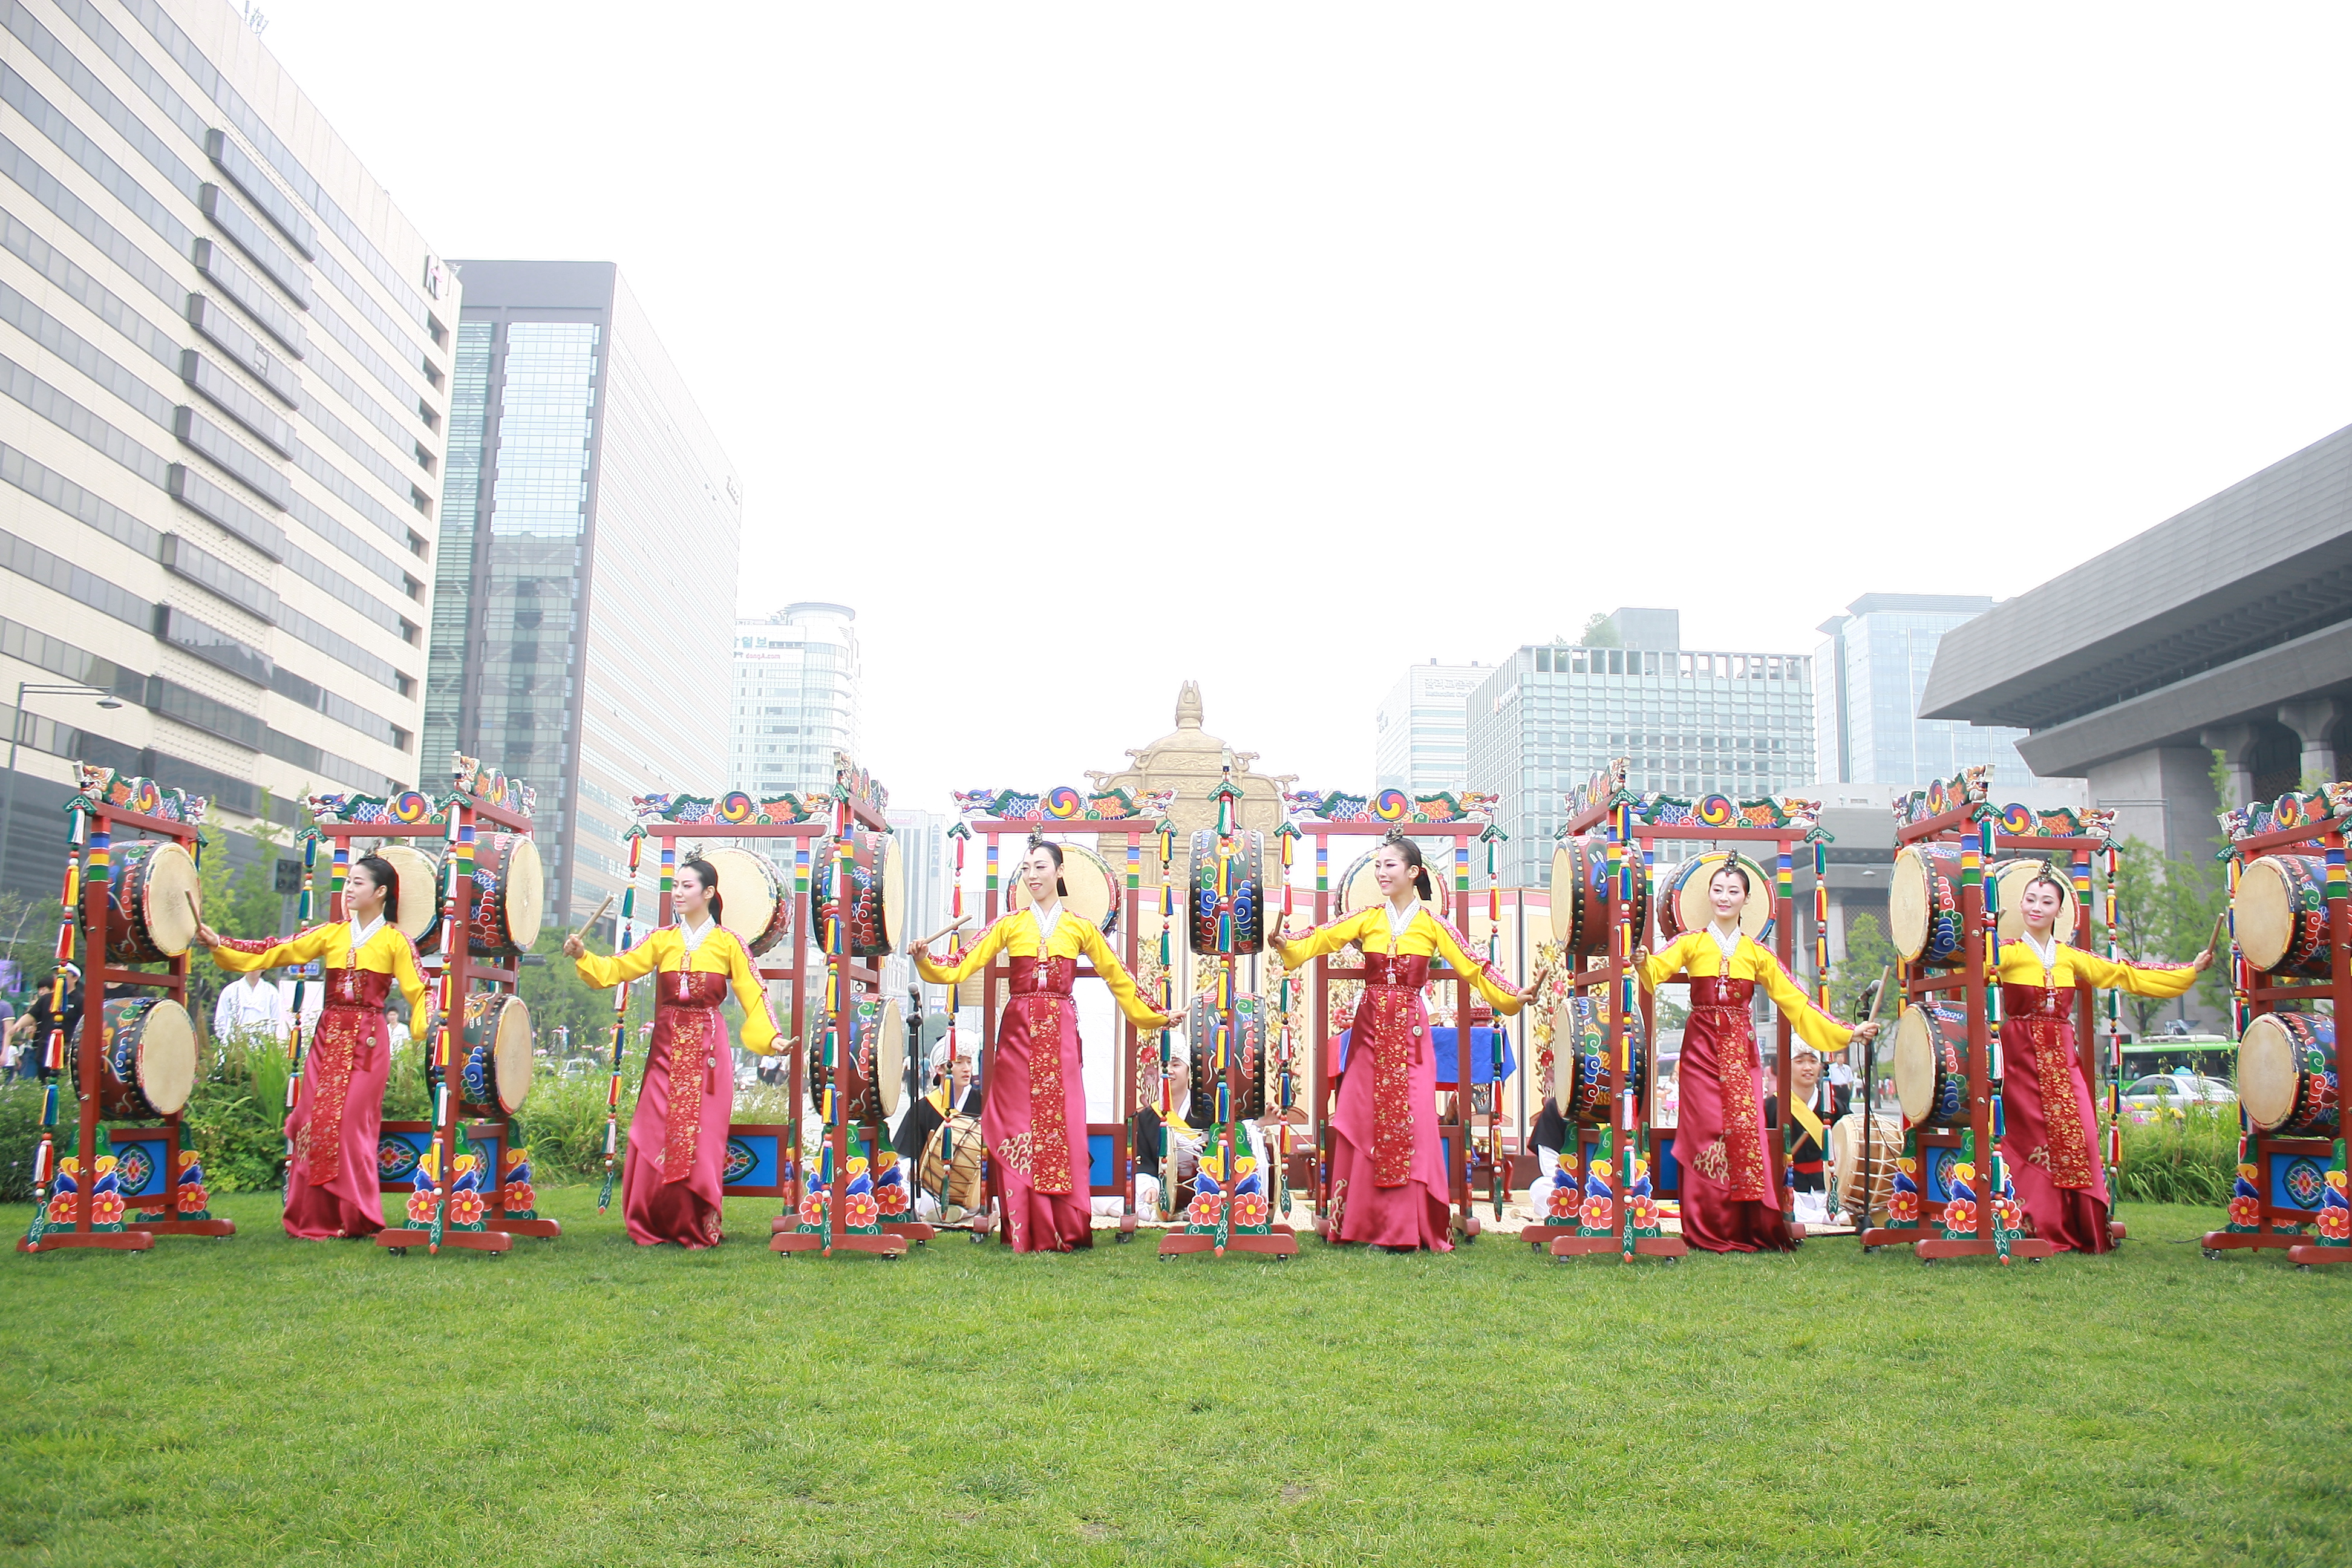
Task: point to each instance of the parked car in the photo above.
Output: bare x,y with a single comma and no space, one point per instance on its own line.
2176,1089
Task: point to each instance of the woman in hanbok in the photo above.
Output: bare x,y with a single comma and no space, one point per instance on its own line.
1728,1203
677,1137
2050,1136
1033,1118
331,1187
1388,1169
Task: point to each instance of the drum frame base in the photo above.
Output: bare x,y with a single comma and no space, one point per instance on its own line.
465,1240
2309,1254
884,1246
546,1228
915,1230
105,1240
1279,1243
1935,1248
1593,1246
184,1226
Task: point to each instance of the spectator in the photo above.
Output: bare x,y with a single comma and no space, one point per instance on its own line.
395,1017
250,1002
30,1029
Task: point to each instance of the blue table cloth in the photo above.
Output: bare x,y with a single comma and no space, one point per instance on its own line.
1442,1042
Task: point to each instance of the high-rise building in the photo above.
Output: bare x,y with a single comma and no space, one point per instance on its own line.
795,699
588,551
1417,733
1868,678
1690,722
225,359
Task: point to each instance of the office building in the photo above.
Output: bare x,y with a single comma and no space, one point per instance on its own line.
795,699
225,359
1868,678
588,551
2225,628
1417,733
1691,723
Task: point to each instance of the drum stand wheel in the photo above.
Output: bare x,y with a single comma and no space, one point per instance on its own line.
2210,1251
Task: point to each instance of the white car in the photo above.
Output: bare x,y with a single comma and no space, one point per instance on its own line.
2173,1089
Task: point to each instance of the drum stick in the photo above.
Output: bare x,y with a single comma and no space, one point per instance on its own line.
194,913
590,923
2221,930
961,922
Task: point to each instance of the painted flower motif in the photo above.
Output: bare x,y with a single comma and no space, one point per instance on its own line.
1960,1215
813,1206
859,1210
1563,1200
1643,1211
420,1206
2245,1211
193,1199
1250,1210
1903,1205
466,1207
893,1199
61,1209
2334,1223
106,1208
1206,1209
1597,1210
2005,1213
519,1196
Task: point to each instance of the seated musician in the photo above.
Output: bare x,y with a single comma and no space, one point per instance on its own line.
1814,1106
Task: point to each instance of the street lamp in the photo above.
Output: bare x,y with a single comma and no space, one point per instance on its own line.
16,733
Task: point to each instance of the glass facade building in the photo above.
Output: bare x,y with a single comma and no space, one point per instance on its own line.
1690,722
1417,744
224,356
590,510
1872,667
795,699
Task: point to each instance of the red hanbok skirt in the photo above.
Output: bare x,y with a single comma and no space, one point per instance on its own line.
677,1137
1388,1167
2050,1123
1034,1120
331,1185
1728,1202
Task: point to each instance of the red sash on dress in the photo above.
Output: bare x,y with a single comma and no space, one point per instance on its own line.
1734,1029
2043,1015
1391,1021
686,1018
1041,990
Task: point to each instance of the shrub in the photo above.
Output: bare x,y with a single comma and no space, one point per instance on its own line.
2187,1154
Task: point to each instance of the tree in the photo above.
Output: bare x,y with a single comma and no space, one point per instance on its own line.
239,900
1868,954
2145,917
1600,631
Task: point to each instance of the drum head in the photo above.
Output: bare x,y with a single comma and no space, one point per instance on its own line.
171,881
525,892
1093,888
748,892
890,1058
511,1050
1907,904
1915,1066
2266,917
890,871
2012,877
1697,912
2268,1074
420,888
1566,1046
1563,891
167,1054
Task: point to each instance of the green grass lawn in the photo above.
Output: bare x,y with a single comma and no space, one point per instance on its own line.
581,1401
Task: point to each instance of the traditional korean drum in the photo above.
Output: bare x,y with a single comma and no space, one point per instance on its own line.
498,1051
1579,1060
2280,913
1931,1056
148,919
1580,895
2286,1074
1923,900
1228,897
510,895
756,899
889,1059
962,1167
1246,1044
890,864
418,915
1683,903
865,932
1094,887
861,1093
151,1059
1864,1173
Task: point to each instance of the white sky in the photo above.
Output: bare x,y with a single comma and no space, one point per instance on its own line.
1082,349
